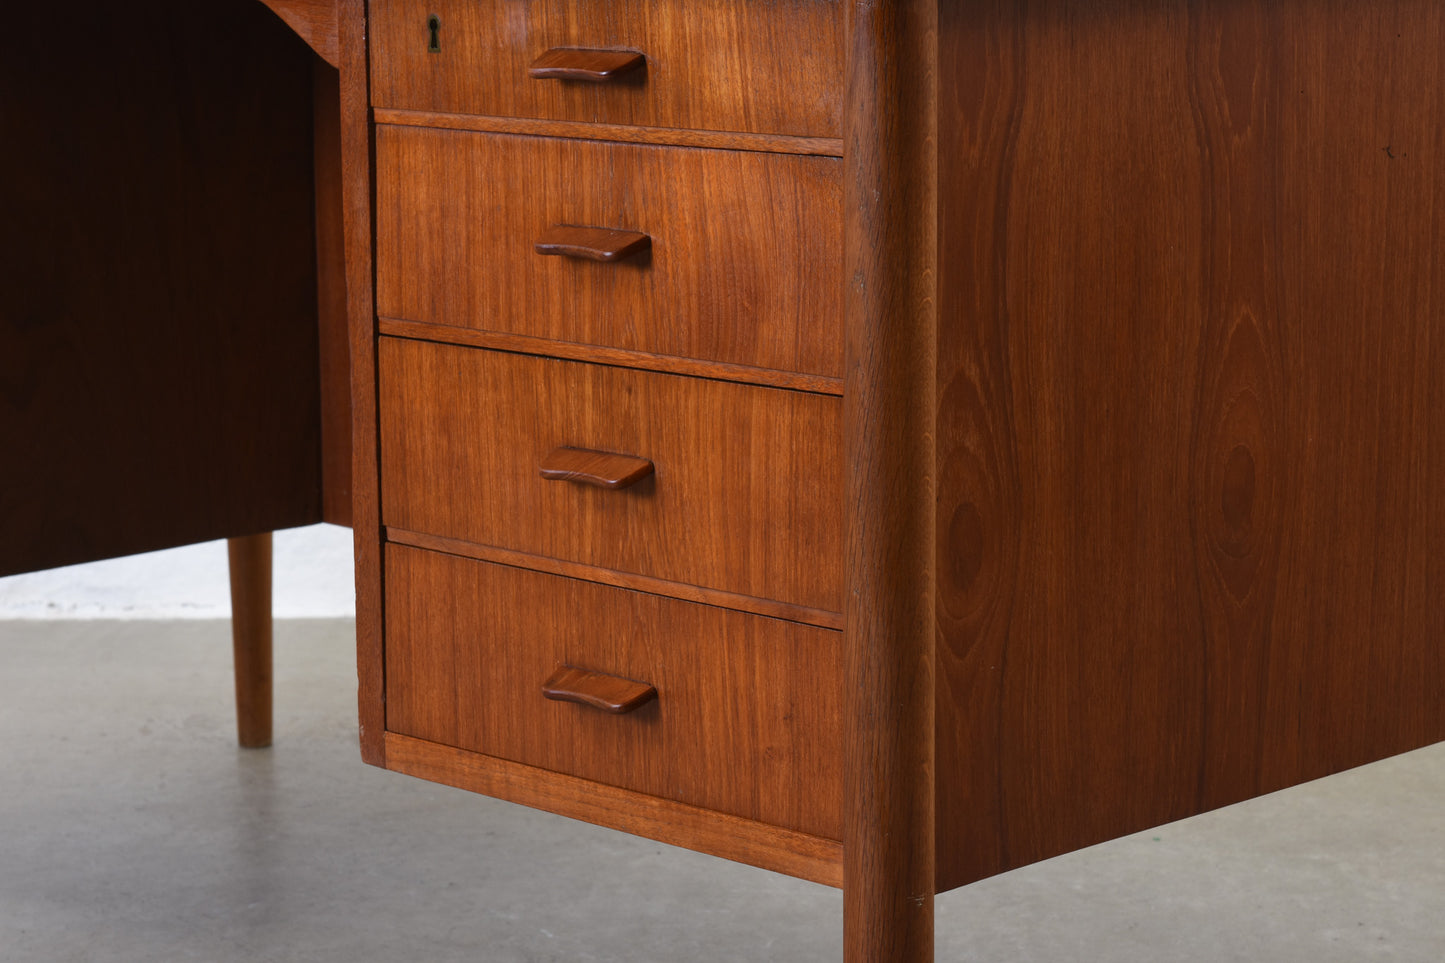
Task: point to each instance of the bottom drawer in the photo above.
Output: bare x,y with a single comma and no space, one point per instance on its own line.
746,720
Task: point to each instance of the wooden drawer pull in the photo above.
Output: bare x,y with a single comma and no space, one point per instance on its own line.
604,469
583,63
592,243
610,693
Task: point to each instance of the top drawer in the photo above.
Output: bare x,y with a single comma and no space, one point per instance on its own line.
772,67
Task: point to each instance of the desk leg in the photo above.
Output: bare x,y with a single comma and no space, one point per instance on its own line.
250,558
890,256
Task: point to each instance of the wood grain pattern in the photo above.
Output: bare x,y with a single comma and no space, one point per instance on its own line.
521,344
891,229
746,496
758,844
1191,409
610,693
603,469
1156,529
772,67
771,608
666,136
158,345
739,270
747,716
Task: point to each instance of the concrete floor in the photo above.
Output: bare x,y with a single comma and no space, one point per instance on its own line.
131,829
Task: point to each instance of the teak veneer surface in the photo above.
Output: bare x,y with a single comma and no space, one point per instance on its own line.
774,68
1137,467
746,720
707,831
1191,409
742,269
746,494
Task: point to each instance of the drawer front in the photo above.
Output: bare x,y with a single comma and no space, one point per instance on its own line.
746,494
743,266
773,68
746,720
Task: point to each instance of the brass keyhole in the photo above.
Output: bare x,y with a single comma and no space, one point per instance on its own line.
434,31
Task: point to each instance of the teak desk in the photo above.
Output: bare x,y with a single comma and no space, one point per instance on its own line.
894,442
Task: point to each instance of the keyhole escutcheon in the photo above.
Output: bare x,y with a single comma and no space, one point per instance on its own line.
434,34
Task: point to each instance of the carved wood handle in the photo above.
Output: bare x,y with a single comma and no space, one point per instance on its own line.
604,469
610,693
584,63
592,243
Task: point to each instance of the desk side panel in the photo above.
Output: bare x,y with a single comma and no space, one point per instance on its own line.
1191,520
158,378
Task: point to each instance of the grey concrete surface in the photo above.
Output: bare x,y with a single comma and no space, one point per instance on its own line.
132,829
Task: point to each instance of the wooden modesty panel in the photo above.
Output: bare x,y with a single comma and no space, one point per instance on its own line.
739,265
745,496
158,293
1191,409
773,68
745,720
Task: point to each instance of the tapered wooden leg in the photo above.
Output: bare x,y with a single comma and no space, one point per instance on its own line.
250,558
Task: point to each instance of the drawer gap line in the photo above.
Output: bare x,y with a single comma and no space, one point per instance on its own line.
583,130
612,357
770,608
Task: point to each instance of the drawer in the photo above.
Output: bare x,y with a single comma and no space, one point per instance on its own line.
746,494
743,266
773,68
746,718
